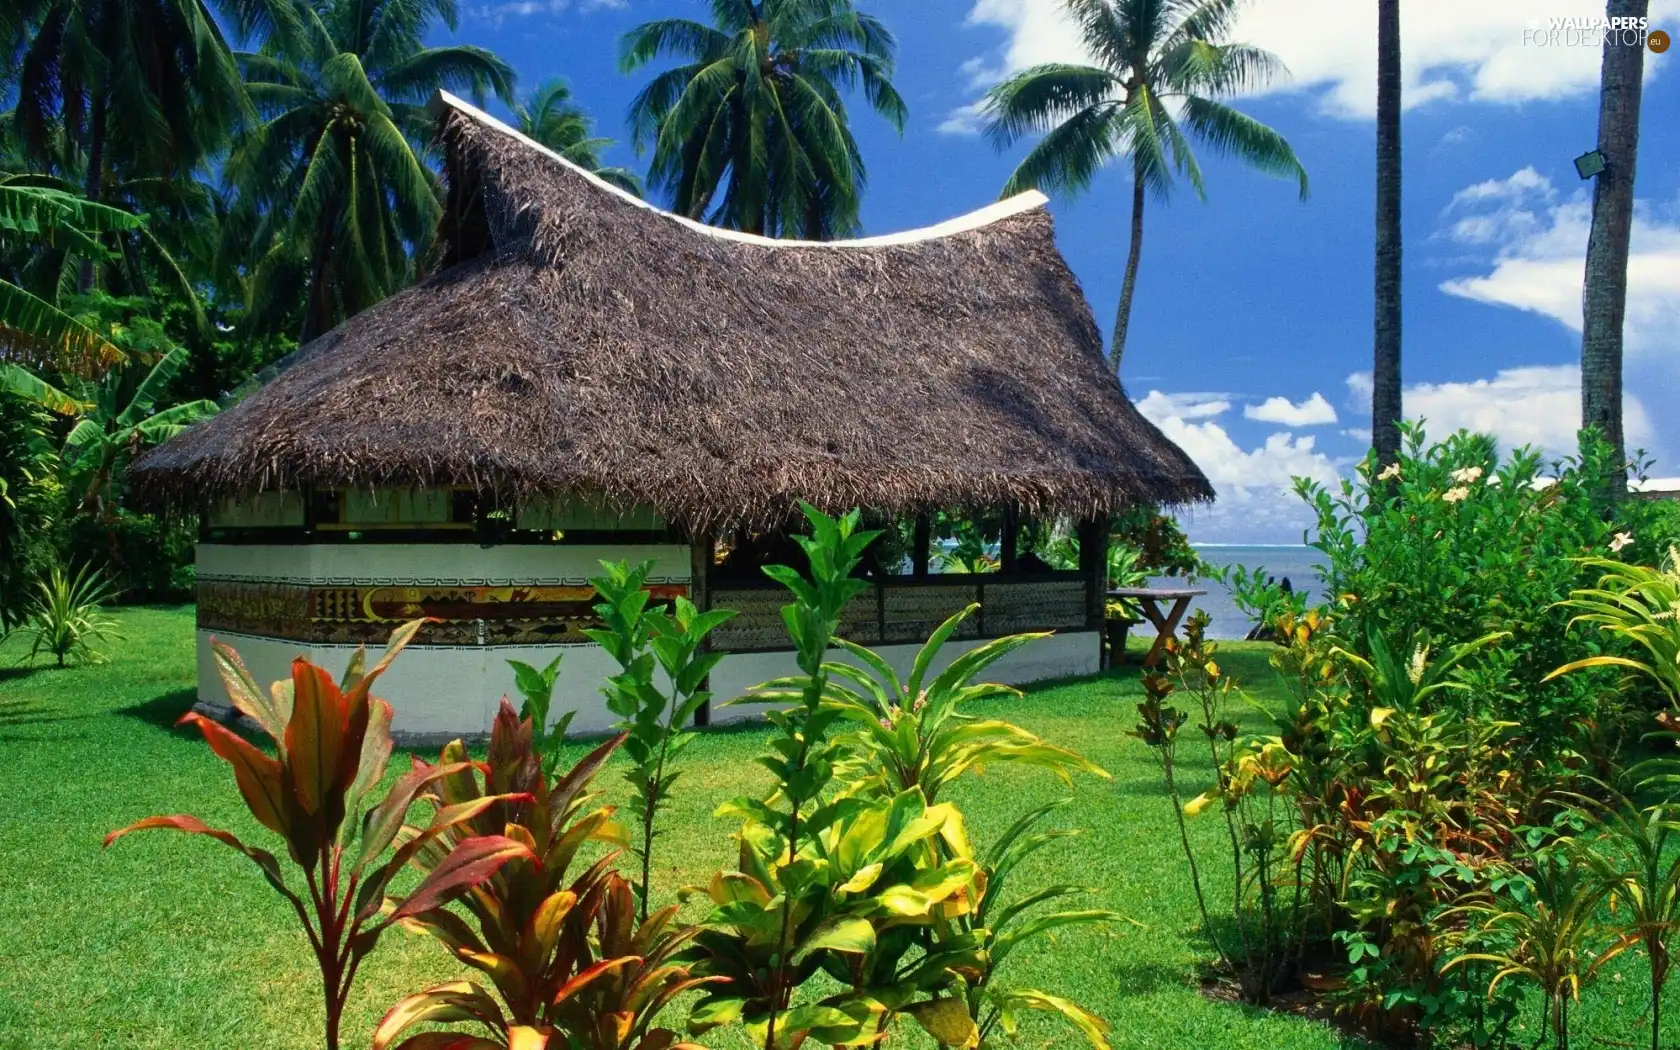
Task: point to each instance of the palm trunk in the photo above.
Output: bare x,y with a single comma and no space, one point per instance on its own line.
95,179
317,308
1123,315
1604,301
1385,357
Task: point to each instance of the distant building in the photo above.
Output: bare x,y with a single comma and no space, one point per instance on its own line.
589,377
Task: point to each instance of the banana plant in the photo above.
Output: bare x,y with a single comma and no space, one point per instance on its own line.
332,743
1636,603
913,733
646,639
566,963
35,330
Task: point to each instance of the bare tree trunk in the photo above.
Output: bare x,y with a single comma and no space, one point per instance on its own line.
95,179
1385,357
1604,299
1123,315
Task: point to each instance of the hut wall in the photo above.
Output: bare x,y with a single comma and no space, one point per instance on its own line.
527,602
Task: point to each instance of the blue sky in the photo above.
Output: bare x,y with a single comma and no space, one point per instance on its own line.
1252,324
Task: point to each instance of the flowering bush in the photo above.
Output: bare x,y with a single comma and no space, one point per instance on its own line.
1448,544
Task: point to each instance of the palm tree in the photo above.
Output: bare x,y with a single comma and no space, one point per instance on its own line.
551,117
1604,304
145,87
1385,354
1161,66
332,195
751,130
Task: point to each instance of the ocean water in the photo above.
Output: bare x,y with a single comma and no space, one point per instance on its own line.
1299,564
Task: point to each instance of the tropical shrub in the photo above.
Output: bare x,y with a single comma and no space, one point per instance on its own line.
1543,927
332,743
148,557
654,717
1636,604
852,878
1449,544
31,504
567,963
67,617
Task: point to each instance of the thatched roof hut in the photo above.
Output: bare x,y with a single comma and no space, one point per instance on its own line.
579,341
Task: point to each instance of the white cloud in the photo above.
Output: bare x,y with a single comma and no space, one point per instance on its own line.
1314,411
500,11
1536,405
1535,241
1256,502
1450,49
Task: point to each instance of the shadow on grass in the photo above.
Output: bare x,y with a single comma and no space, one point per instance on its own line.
163,711
8,674
19,719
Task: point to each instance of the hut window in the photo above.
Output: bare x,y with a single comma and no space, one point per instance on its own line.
326,507
463,507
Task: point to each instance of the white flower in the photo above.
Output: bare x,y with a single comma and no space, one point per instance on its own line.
1466,475
1390,471
1620,540
1456,494
1419,661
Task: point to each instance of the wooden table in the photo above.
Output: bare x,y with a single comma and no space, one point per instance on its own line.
1150,601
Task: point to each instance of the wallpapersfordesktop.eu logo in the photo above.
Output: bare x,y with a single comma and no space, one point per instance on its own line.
1595,32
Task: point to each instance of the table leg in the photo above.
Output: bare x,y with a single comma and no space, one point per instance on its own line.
1165,626
1151,610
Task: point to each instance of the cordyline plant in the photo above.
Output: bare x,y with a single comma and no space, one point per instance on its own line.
568,965
644,640
332,745
536,686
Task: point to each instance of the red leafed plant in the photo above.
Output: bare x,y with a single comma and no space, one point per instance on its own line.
569,968
332,743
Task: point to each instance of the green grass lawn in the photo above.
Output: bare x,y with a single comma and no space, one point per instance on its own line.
173,942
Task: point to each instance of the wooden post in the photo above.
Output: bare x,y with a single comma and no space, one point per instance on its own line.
700,551
921,545
1093,563
1011,536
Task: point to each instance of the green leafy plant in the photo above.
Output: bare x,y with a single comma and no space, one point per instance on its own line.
999,926
1452,543
1638,604
654,717
1546,919
567,963
332,744
913,733
67,617
1630,848
537,689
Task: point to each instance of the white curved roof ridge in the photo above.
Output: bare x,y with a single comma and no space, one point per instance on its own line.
998,210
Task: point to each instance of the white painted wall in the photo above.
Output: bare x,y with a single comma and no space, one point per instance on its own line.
441,693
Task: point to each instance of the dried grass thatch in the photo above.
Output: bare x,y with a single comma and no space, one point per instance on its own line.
582,342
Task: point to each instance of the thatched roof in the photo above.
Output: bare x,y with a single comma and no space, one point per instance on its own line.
580,340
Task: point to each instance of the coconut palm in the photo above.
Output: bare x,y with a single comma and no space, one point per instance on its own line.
332,195
123,88
751,131
1385,353
1621,84
551,117
1159,68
